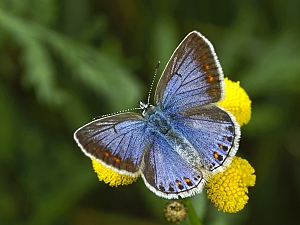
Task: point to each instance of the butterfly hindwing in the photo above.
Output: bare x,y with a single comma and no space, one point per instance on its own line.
166,173
213,132
192,77
116,141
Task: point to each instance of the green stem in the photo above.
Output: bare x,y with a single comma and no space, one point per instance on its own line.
192,216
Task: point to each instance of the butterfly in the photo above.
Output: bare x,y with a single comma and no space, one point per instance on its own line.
177,144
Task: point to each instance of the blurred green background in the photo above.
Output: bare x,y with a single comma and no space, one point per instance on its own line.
64,62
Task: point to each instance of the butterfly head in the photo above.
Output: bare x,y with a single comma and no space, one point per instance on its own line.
144,107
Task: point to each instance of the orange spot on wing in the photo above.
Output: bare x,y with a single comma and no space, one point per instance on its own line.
187,180
117,160
178,182
210,78
216,155
206,67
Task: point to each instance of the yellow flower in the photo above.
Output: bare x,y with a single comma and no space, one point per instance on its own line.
228,190
111,177
236,101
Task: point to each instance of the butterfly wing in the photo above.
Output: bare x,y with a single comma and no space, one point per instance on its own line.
116,141
187,91
213,132
167,174
192,77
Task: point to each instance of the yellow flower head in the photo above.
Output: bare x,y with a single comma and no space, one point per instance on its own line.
228,190
236,101
111,177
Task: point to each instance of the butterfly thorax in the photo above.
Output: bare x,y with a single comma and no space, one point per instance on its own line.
158,120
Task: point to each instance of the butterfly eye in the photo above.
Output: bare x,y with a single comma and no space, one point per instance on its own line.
144,106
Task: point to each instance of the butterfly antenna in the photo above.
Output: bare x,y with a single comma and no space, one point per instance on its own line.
142,107
151,86
114,113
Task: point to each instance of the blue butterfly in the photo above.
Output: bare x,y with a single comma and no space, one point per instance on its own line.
179,143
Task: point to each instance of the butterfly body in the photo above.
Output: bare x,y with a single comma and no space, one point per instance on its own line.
161,125
182,140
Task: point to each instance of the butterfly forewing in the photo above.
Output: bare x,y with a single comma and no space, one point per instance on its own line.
192,77
116,141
